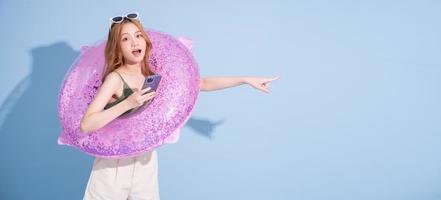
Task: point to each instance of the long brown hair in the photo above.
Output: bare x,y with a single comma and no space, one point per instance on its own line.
113,54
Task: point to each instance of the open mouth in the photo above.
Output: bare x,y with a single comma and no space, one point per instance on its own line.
137,52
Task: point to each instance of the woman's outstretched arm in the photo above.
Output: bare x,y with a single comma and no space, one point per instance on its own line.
219,83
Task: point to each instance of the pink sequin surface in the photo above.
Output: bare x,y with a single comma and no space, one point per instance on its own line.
143,131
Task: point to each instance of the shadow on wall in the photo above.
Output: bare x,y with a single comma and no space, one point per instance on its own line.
33,165
203,127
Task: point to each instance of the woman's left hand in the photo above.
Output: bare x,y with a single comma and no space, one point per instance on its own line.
261,83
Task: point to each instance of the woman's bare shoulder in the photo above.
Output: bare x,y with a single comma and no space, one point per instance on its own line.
112,80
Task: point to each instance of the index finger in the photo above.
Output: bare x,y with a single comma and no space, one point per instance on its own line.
145,89
272,79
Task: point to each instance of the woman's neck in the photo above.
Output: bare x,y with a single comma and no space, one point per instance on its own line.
132,69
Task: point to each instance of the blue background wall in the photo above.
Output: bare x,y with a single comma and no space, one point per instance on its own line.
355,115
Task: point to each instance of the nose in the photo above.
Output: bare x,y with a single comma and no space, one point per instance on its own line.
134,43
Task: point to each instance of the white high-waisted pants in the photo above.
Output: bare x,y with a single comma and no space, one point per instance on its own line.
133,178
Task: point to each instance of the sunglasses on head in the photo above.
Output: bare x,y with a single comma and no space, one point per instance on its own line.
120,18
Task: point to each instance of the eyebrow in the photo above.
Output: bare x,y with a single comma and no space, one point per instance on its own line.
128,33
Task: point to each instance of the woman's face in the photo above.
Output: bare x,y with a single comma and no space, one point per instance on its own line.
132,43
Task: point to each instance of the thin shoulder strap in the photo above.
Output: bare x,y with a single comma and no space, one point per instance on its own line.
125,84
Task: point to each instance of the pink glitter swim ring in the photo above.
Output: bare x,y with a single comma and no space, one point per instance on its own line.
155,125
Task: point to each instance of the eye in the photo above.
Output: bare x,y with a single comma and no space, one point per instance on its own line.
124,39
139,35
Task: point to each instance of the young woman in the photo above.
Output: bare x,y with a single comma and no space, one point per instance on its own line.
127,52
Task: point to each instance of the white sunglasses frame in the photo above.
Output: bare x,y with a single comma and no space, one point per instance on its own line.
123,17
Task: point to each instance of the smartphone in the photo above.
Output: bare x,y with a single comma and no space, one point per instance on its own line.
152,81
